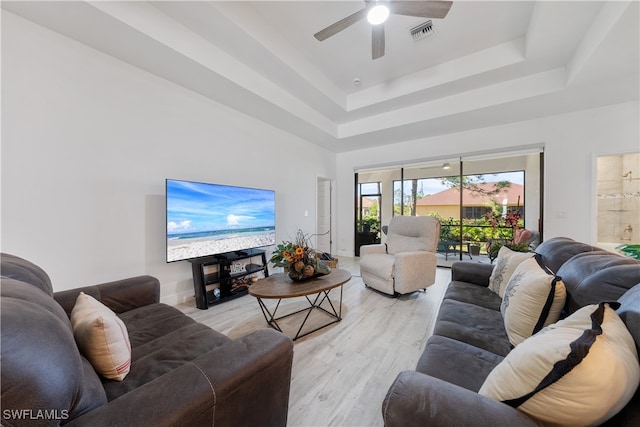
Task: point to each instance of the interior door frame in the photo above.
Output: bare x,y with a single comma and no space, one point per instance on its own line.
324,200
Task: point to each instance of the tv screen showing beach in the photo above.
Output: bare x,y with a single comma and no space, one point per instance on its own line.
210,219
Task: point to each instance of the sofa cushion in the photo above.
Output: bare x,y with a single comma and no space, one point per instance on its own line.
119,295
20,269
558,250
533,299
506,263
597,276
471,272
164,354
629,312
479,326
28,293
162,338
579,371
457,362
102,337
147,323
473,294
40,358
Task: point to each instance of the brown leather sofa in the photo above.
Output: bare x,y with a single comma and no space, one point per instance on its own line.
469,339
182,372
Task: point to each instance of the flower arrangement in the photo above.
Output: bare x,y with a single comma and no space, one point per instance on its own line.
298,259
511,220
501,224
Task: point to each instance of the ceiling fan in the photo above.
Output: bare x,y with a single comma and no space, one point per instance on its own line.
377,12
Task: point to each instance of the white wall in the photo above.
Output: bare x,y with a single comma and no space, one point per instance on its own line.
87,142
570,141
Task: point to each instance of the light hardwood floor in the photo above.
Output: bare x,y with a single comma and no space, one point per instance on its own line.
342,373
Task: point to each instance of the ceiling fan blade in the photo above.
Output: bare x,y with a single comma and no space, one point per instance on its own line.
340,25
377,41
424,9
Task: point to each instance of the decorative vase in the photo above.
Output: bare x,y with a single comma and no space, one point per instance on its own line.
309,271
297,277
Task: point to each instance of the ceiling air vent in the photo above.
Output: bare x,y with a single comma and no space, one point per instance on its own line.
422,31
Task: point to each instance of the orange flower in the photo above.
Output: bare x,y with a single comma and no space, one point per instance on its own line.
299,251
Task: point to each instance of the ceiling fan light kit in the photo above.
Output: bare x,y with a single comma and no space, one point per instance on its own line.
377,11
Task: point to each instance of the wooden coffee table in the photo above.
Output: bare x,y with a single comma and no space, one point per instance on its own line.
280,286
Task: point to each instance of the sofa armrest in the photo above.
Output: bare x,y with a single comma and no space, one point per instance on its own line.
471,272
119,296
376,248
416,399
243,383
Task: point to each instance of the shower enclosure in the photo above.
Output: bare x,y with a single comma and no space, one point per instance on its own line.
618,200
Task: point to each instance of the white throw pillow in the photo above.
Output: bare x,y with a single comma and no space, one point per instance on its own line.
533,299
102,337
579,371
506,263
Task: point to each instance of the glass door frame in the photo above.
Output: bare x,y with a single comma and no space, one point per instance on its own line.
363,237
529,159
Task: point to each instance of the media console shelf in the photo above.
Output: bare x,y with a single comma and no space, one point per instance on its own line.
222,279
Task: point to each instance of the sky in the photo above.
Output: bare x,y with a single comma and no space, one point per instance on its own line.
432,186
193,207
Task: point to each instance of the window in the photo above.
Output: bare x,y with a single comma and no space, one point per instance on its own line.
370,194
475,212
459,192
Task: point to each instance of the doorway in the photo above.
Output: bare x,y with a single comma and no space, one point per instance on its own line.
618,200
324,229
368,214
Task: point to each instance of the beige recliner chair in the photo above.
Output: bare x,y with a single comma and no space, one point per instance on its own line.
407,262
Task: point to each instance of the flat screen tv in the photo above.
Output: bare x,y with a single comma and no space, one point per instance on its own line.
211,219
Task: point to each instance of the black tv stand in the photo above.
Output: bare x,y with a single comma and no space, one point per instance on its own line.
223,278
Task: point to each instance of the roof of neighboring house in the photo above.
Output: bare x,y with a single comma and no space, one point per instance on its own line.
367,202
451,196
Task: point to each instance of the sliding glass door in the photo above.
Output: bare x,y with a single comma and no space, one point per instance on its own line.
479,201
368,214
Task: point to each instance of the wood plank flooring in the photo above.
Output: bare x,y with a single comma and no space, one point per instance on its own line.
342,373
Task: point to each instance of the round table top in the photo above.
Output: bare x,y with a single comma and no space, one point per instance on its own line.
281,286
